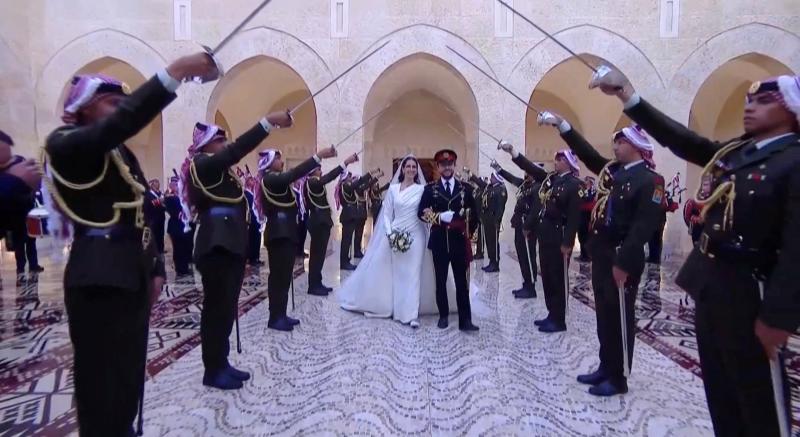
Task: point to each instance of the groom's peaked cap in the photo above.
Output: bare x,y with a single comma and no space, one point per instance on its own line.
445,155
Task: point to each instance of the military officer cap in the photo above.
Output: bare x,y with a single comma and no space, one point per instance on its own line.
445,156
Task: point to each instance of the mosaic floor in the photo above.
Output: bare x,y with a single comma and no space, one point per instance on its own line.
343,374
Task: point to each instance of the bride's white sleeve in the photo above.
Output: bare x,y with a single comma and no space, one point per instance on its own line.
387,211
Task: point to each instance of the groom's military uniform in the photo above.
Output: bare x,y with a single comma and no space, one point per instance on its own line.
450,242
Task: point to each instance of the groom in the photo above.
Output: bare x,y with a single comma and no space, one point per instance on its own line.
449,207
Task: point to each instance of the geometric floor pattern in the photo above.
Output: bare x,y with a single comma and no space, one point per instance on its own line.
339,373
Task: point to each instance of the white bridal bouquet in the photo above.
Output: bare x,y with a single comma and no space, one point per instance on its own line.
400,241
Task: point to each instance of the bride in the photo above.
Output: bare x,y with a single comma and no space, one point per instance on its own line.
400,285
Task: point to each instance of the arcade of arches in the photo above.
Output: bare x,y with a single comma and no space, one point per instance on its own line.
339,372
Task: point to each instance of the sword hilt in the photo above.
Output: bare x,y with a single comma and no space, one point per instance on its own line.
219,69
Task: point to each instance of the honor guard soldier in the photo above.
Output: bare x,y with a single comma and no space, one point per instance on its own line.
178,234
587,205
493,206
528,206
376,198
743,272
279,206
558,224
114,272
155,214
19,180
480,235
630,196
354,214
320,223
254,227
449,207
216,193
299,188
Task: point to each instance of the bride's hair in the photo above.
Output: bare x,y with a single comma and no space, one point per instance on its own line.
402,176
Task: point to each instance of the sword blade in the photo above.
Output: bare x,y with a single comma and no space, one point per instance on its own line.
553,38
524,102
335,79
362,126
241,25
475,125
450,126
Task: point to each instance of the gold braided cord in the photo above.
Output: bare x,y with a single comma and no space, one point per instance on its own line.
725,192
204,189
137,188
75,186
603,191
346,200
312,195
269,196
544,191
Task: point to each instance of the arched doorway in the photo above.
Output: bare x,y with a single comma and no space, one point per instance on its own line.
256,87
428,106
590,112
718,107
148,143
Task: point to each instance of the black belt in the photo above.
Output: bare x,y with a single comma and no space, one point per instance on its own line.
115,233
731,253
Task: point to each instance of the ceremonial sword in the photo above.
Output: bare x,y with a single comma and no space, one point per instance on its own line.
776,375
363,125
553,38
212,52
494,80
349,69
450,126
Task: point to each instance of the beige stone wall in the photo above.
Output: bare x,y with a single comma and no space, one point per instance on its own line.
44,42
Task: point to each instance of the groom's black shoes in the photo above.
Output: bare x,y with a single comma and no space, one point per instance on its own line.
442,322
347,266
541,322
468,327
326,288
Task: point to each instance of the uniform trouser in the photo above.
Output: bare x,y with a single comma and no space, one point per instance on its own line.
491,229
158,234
302,232
280,254
552,264
359,236
525,253
24,250
736,373
253,243
181,254
222,273
457,260
656,243
318,248
348,232
481,241
606,296
108,329
583,232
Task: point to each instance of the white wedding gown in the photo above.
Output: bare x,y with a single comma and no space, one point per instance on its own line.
394,284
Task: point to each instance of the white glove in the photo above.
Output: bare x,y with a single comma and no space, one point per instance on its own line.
447,216
548,118
609,80
505,146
